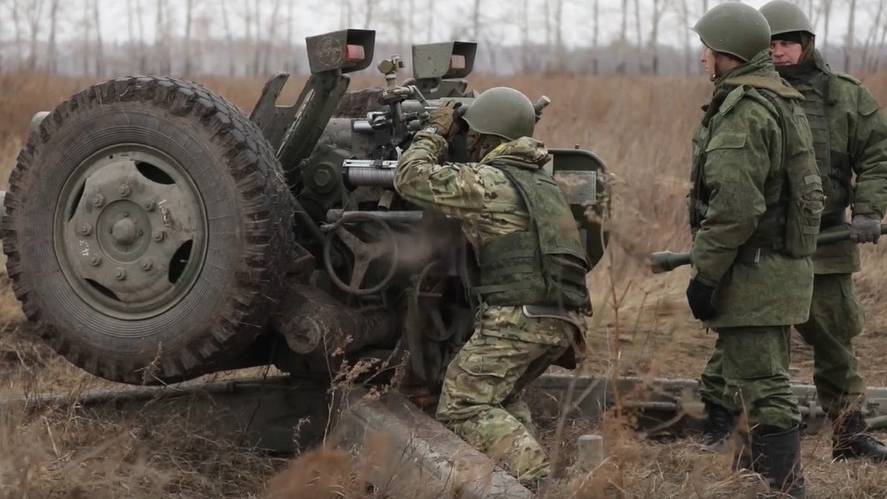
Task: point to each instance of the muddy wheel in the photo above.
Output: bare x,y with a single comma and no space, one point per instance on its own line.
148,228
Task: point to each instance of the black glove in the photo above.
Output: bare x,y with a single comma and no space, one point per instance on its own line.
699,296
865,229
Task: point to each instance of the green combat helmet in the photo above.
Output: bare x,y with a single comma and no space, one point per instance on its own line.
734,28
503,112
786,17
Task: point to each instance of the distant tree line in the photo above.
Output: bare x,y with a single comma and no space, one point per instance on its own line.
258,37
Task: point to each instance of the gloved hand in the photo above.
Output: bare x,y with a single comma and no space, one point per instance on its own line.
865,229
444,118
699,297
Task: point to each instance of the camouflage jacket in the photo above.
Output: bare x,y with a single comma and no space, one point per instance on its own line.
854,143
739,179
478,194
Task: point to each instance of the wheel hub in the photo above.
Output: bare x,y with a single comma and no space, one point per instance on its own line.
133,232
124,230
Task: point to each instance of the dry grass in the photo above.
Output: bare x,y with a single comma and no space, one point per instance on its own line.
641,127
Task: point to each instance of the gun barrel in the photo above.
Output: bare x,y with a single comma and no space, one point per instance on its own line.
666,261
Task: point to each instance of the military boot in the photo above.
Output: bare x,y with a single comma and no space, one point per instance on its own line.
776,455
718,427
850,440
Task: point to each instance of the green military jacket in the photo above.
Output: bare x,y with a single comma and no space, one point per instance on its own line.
738,154
478,194
850,138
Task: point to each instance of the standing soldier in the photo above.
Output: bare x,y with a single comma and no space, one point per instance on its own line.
532,269
849,137
755,206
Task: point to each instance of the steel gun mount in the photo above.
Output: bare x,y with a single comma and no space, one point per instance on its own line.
276,239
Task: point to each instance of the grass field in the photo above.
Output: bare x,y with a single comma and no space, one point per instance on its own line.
641,127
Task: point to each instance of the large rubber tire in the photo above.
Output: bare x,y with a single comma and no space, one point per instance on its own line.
248,216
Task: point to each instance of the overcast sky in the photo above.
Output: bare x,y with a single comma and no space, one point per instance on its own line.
501,19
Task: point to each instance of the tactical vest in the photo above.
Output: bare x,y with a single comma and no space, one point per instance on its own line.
791,222
834,166
543,265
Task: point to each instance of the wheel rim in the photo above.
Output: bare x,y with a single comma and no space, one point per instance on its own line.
129,231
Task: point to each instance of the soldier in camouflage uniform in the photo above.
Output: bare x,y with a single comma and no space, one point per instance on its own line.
532,269
850,143
746,285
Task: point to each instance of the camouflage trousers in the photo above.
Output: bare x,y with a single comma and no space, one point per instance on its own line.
748,372
835,318
481,396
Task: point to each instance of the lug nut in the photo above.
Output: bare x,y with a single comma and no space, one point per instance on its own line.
124,190
120,274
125,214
141,233
85,229
150,205
98,201
147,265
95,261
159,236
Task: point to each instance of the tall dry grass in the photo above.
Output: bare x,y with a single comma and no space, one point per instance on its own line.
641,127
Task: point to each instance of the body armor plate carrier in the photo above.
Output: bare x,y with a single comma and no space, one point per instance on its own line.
543,265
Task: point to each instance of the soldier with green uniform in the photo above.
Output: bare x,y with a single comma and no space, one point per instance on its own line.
850,143
754,212
532,268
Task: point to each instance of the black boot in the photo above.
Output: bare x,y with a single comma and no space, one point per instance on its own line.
718,427
776,454
850,440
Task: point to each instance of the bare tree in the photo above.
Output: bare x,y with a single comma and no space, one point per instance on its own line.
659,8
86,24
257,26
34,17
849,42
872,37
685,20
189,15
637,23
429,13
99,48
411,19
368,14
475,19
143,50
877,58
548,34
623,32
560,49
161,38
595,37
826,20
272,35
15,12
52,54
229,37
131,26
525,36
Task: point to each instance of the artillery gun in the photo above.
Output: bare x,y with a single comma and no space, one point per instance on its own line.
154,233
